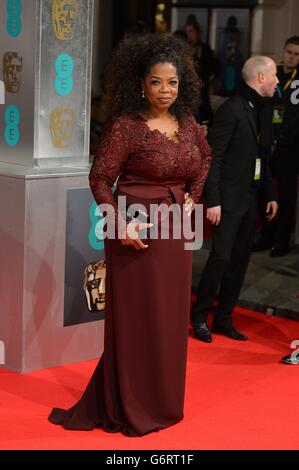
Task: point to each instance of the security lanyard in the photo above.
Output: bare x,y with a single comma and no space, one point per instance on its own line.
290,81
278,89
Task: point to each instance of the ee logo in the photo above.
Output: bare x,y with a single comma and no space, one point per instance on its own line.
12,121
14,22
96,233
64,82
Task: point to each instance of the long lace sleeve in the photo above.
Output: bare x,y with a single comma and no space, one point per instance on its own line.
196,184
110,158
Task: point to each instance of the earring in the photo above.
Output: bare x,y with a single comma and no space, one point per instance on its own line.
143,95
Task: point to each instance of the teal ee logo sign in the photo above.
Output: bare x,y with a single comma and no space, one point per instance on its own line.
96,233
64,82
2,92
12,121
14,22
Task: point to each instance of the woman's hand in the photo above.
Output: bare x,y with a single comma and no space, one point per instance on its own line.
189,204
214,215
132,236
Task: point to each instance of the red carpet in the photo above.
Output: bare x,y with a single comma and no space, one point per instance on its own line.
238,396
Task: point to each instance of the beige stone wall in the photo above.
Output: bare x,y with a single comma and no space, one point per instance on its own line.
273,22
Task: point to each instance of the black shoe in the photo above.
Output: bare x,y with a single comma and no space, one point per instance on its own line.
279,250
230,332
290,360
202,332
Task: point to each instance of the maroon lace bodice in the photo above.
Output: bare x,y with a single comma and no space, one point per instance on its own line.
129,147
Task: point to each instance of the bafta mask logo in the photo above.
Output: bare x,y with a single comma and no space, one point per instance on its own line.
12,71
61,126
94,285
64,15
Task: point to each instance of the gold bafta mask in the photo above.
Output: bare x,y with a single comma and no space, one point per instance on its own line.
64,14
61,126
94,285
12,71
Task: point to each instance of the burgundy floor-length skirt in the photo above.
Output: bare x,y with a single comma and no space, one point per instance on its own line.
138,385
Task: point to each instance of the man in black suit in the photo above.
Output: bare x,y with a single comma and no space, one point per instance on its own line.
241,137
285,161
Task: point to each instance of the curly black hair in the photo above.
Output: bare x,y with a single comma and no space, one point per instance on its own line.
132,60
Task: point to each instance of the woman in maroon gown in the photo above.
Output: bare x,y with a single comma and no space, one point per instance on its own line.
160,155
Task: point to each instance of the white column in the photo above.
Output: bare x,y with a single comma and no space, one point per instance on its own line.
273,22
